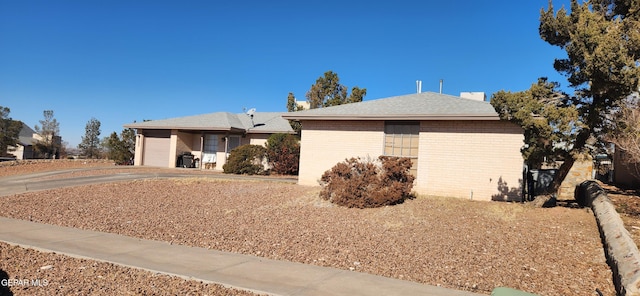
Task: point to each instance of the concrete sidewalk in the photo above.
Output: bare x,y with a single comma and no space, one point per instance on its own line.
229,269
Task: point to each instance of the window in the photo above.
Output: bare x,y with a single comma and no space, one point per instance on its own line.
211,143
210,148
233,142
401,139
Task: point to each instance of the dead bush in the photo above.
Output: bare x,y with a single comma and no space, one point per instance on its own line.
365,183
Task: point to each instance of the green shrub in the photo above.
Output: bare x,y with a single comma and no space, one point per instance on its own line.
363,183
283,153
246,159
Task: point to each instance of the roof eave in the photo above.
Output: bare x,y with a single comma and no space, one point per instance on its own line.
199,128
220,129
394,117
269,132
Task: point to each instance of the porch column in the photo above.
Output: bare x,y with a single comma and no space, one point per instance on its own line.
173,146
201,150
137,159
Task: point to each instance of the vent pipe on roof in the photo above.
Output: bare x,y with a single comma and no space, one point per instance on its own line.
419,86
441,85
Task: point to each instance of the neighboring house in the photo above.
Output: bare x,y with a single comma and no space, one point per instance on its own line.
459,147
625,172
26,139
209,137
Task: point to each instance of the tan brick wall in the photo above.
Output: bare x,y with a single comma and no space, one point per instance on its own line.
196,145
624,171
468,159
456,158
258,139
325,143
184,142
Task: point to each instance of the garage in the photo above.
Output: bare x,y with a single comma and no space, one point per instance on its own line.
157,145
161,142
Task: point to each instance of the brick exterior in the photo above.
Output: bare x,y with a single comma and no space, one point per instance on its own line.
456,158
184,143
325,143
478,160
257,139
192,142
624,171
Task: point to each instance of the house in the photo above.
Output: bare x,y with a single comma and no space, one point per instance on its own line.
208,137
26,139
625,172
459,146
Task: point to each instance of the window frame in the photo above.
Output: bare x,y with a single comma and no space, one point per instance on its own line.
400,134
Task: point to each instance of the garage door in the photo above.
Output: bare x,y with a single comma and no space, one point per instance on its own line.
156,149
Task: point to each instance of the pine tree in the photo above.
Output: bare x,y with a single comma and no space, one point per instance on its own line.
49,129
89,146
9,131
327,91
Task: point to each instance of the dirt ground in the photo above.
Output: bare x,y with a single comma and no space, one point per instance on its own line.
12,168
455,243
40,273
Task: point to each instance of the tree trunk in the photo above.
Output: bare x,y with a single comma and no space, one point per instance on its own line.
562,173
569,160
549,199
544,201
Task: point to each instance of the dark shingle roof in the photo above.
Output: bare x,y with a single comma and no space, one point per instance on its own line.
25,137
427,105
263,122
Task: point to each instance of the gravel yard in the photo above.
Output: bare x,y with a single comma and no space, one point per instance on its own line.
460,244
61,275
12,168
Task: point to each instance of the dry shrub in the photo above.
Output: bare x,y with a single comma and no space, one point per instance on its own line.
364,183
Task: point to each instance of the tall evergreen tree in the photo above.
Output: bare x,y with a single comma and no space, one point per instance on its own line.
327,91
9,131
602,42
547,122
89,146
49,130
292,106
121,148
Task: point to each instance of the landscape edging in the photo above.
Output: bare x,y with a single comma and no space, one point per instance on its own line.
621,251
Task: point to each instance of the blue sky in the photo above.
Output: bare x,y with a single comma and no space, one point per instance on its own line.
120,61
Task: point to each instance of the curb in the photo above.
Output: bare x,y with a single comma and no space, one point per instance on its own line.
621,251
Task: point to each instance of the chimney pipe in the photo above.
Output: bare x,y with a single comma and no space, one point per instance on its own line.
441,86
418,86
